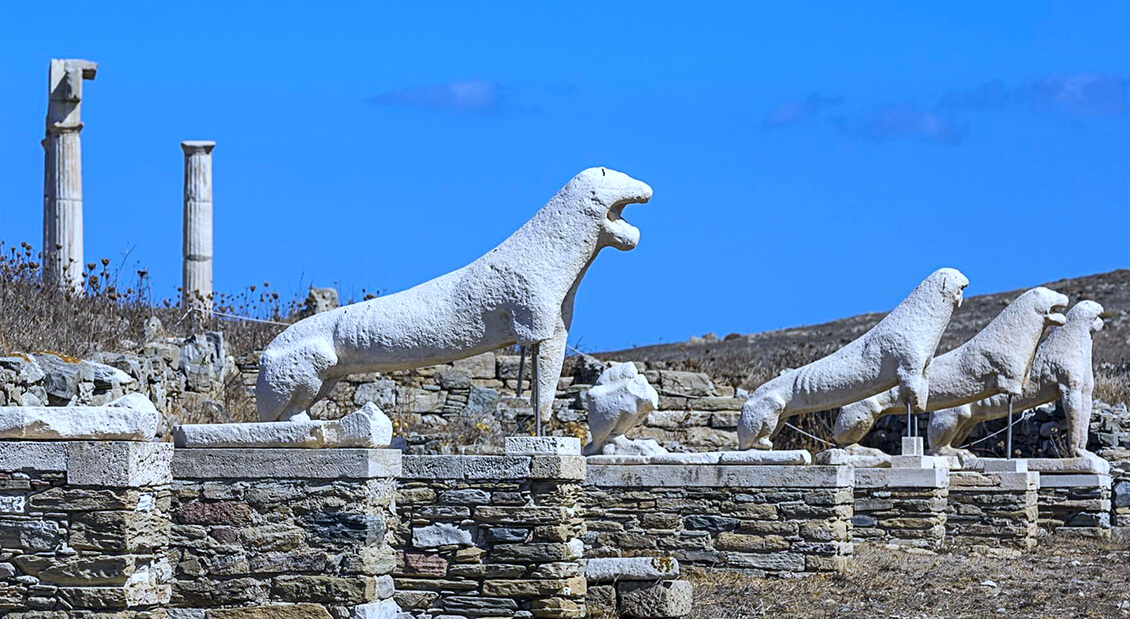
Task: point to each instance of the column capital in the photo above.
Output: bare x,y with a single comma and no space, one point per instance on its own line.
192,147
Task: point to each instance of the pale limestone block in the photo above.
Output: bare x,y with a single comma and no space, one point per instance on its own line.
520,292
894,353
1074,480
33,456
613,569
713,476
122,464
623,446
686,458
901,478
384,609
658,600
1069,465
872,458
1000,465
912,462
557,467
368,428
132,417
496,467
433,467
440,534
618,401
1061,370
912,446
280,463
618,459
542,445
994,361
776,456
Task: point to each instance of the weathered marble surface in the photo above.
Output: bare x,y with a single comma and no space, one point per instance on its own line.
894,352
996,360
520,292
196,268
129,418
1061,369
367,428
619,399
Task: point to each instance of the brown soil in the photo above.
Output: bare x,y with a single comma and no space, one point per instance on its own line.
1061,578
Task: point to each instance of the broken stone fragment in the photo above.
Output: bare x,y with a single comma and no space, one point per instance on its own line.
130,418
368,428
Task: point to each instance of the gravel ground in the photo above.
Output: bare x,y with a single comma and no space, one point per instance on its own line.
1061,578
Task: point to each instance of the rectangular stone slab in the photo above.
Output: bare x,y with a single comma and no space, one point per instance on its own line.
902,478
286,463
77,423
713,475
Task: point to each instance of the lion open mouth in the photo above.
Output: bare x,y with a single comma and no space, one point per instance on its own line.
1055,315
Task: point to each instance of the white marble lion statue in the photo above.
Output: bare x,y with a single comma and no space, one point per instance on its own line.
1061,370
894,352
520,292
619,399
996,360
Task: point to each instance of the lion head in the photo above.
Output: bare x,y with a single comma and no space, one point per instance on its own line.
606,192
1047,304
951,283
1088,312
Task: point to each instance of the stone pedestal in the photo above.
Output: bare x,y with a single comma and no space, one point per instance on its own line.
283,532
493,536
197,250
62,170
758,519
1075,504
995,507
84,528
901,506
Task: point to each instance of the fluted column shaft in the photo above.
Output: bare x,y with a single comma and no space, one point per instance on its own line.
62,171
197,233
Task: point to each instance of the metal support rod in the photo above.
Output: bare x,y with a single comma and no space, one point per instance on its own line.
521,367
909,419
535,388
1008,437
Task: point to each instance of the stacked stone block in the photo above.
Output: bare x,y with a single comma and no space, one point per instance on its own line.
283,533
1075,504
493,536
757,519
84,529
901,506
637,587
994,508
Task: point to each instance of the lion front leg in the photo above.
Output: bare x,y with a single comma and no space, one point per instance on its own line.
550,357
914,389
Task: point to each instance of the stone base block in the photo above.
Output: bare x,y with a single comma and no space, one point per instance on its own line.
1077,504
993,509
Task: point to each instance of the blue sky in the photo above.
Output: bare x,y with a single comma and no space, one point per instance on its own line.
809,162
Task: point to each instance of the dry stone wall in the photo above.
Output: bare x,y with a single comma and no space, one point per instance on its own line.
84,529
492,536
993,509
285,533
761,520
901,506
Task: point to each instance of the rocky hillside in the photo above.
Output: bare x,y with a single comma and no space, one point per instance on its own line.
748,360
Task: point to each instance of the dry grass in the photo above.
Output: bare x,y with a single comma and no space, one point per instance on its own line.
111,312
1110,387
1061,578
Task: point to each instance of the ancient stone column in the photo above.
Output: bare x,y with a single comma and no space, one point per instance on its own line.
197,283
62,183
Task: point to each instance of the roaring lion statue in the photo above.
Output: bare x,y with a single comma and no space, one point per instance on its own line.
520,292
1061,370
896,351
996,360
